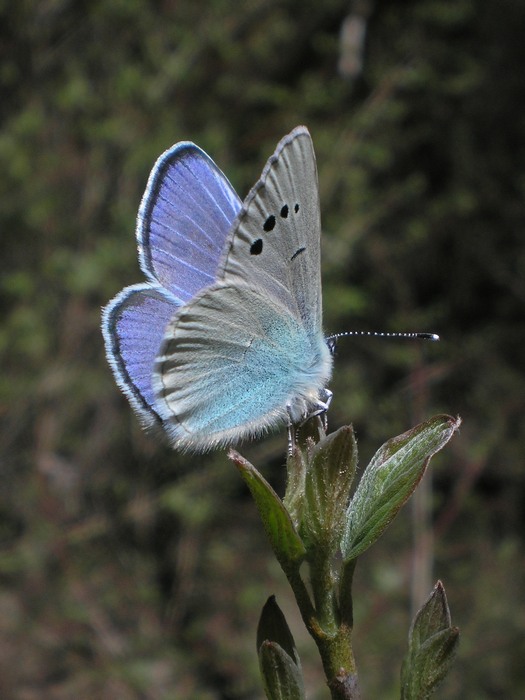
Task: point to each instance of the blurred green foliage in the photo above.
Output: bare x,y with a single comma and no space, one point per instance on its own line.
129,571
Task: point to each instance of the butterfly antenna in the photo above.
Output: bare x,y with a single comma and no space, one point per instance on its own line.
383,334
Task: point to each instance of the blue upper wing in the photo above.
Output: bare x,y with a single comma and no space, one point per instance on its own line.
184,219
133,325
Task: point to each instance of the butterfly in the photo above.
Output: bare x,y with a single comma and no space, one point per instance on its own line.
224,340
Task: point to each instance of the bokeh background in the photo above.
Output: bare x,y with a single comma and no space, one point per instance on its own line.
128,571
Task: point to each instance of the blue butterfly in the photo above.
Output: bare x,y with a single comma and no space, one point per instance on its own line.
225,339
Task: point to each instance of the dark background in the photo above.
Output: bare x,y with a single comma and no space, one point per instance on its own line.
129,571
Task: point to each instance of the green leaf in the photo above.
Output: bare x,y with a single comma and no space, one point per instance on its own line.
433,617
274,628
432,646
296,472
306,438
389,480
281,677
286,543
329,475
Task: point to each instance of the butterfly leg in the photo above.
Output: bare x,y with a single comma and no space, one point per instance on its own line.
318,410
292,434
325,398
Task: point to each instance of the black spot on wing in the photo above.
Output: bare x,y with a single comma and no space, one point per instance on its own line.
269,224
298,252
256,247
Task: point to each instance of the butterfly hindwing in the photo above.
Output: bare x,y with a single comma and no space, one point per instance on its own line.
231,363
133,325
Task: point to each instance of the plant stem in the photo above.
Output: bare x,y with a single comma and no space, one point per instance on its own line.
332,637
346,607
339,664
322,580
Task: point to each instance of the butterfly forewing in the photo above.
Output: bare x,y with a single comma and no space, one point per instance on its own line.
275,243
184,219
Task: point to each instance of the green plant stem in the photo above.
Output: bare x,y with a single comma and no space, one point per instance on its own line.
346,606
339,663
333,638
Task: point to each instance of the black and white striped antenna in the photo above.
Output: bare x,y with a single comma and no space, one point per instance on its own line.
385,334
332,339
